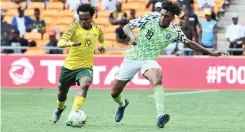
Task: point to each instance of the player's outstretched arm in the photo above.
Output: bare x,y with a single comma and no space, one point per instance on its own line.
129,31
195,46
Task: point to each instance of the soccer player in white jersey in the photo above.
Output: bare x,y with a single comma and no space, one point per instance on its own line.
156,33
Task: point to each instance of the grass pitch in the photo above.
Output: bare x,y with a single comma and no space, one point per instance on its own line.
30,110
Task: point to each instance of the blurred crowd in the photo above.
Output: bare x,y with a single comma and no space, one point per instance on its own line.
203,31
13,34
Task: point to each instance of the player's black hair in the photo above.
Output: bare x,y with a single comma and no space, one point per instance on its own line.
172,7
86,8
32,44
37,10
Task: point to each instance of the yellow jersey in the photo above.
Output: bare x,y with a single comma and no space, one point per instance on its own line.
81,56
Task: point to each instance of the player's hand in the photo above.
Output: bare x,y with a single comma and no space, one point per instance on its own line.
102,50
218,53
75,44
133,41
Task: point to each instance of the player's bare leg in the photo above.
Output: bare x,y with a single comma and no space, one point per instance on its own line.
62,95
80,98
117,89
82,93
154,75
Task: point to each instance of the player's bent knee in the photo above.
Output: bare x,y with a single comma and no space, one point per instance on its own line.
84,86
157,81
63,89
85,83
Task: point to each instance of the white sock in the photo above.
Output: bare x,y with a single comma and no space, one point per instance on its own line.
160,109
159,99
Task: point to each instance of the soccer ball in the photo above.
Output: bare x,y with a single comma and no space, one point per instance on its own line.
76,119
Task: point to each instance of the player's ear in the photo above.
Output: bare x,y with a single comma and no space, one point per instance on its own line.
173,16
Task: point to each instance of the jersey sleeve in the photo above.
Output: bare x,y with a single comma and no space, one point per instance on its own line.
181,36
142,20
65,40
101,38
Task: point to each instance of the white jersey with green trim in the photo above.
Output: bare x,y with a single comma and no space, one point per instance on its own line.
152,38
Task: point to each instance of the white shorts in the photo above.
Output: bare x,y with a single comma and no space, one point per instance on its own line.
129,68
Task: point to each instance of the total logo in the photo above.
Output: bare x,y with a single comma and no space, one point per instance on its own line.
21,71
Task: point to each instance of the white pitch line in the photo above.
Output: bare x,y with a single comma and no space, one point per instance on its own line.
185,93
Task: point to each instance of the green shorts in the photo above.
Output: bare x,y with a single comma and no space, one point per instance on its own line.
71,77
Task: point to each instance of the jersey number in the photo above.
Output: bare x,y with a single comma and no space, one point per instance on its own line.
149,34
87,42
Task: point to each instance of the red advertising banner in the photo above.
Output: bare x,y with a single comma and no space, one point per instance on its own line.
189,73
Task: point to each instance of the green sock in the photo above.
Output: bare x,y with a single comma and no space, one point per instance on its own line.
120,100
159,99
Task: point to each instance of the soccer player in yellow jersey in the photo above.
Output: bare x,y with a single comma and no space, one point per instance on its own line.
81,38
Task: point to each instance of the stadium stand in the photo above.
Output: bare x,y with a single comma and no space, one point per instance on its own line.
34,5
